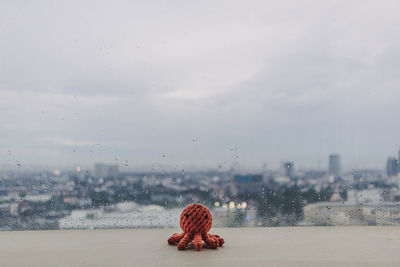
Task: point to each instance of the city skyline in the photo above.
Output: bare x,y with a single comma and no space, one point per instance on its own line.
333,166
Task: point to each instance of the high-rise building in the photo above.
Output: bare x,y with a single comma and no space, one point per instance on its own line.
398,163
334,165
392,166
289,169
105,170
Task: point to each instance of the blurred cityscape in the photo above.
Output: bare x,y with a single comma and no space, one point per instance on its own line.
107,198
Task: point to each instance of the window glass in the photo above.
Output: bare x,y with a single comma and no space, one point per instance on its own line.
270,113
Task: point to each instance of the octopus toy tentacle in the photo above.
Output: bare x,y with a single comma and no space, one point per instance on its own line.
175,238
185,241
198,241
221,241
211,241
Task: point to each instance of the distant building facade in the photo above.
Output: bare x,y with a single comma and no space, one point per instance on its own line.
289,169
105,170
392,167
399,157
334,165
339,213
246,184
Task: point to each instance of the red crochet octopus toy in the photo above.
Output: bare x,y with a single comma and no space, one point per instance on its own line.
195,222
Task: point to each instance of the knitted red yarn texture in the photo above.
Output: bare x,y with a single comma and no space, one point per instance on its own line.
196,221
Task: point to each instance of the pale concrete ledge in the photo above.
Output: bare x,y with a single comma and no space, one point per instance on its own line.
285,246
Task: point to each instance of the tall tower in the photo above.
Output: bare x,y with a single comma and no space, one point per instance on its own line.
289,169
398,163
334,165
392,167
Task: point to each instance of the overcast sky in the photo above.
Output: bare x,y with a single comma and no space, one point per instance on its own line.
190,84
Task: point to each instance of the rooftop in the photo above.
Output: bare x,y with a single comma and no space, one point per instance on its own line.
283,246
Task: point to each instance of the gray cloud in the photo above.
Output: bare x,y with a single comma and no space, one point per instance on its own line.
94,81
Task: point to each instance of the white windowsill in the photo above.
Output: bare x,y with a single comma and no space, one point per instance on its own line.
284,246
